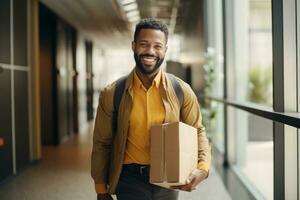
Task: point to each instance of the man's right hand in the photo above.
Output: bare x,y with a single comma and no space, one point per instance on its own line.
104,197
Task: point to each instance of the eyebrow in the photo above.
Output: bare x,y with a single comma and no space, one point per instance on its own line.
160,43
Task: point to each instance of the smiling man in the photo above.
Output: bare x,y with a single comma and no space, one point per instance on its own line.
121,154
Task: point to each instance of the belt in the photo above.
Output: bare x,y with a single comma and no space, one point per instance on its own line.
137,169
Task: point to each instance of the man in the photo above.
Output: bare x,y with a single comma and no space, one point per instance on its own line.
120,160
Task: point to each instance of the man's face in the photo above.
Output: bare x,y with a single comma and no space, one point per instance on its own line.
149,50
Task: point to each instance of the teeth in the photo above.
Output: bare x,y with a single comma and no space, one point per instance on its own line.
150,59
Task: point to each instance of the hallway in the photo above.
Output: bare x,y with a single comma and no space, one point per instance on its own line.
64,173
240,57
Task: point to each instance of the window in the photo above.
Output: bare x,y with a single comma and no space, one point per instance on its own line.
213,113
251,40
260,52
253,141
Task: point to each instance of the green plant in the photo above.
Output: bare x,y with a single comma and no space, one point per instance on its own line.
260,88
209,108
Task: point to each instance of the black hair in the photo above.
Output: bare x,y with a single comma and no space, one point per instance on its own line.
151,23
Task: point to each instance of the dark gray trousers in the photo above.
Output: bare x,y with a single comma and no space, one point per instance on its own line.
134,185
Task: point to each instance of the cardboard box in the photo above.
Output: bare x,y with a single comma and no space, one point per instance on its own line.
173,153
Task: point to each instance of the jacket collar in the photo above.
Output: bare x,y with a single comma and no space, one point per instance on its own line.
129,83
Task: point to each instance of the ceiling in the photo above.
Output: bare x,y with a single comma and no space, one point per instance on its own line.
107,22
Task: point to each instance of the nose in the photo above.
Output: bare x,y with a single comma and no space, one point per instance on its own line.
151,50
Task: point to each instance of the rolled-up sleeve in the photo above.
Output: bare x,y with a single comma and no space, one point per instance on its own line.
191,114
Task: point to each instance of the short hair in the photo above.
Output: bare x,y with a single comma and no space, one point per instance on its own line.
150,23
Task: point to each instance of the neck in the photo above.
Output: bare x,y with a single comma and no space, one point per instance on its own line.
147,79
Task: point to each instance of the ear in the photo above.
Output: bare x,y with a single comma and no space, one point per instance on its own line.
133,45
166,48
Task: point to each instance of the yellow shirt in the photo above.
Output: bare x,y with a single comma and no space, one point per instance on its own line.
148,110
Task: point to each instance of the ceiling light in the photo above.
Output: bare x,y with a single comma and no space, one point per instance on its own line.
134,19
129,7
123,2
133,13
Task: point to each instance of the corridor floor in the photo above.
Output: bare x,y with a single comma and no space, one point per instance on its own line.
64,174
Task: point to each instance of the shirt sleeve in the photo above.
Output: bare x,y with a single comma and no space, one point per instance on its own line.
203,166
191,114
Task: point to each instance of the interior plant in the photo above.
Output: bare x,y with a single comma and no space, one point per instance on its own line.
209,109
260,88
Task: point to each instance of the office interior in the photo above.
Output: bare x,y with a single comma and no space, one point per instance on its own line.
241,58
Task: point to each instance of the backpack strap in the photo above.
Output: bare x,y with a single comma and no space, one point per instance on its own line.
177,88
120,86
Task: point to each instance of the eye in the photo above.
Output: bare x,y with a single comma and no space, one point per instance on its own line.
143,44
158,47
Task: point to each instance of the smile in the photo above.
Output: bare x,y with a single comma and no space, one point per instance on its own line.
148,59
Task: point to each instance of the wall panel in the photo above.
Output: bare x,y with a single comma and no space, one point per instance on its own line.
5,31
20,32
6,166
21,118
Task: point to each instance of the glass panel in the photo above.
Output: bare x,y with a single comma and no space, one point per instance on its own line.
214,65
290,161
260,52
254,151
214,74
298,80
298,87
215,126
298,168
252,52
298,60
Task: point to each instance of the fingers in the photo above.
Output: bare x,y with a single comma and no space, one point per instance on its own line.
191,178
188,187
182,187
177,187
192,181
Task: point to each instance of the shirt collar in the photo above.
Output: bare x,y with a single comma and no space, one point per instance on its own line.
138,83
157,79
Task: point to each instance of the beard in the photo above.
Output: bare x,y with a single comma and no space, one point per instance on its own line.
145,69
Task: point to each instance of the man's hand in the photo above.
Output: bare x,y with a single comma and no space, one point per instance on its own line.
196,177
104,197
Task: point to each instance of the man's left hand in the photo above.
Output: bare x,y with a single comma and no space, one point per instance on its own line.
196,177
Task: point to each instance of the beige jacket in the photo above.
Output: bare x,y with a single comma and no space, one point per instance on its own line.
108,153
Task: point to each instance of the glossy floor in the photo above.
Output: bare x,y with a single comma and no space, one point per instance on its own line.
64,173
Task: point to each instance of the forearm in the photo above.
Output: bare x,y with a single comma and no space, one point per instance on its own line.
204,150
